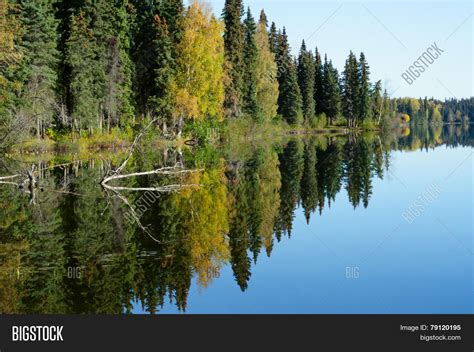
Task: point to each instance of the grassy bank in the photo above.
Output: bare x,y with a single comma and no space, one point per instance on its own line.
242,130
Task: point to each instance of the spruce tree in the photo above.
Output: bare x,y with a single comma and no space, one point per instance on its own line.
144,53
234,43
318,82
273,38
97,53
157,32
64,12
351,90
289,99
41,61
364,104
87,75
111,28
376,99
250,61
162,101
172,12
267,83
306,78
11,75
309,181
331,91
169,31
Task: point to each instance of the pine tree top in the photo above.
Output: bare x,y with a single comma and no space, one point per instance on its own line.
263,18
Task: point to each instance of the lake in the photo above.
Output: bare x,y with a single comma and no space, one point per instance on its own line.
358,223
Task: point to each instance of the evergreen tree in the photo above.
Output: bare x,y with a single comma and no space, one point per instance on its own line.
156,32
273,38
162,101
97,52
250,61
318,82
350,90
331,97
234,43
112,29
11,75
169,31
65,11
172,12
377,100
309,182
291,169
87,75
332,170
266,72
306,77
364,104
239,239
41,61
289,99
143,53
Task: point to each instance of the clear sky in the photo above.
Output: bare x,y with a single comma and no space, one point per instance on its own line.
392,35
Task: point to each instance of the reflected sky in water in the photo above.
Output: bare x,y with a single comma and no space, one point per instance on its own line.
304,225
422,267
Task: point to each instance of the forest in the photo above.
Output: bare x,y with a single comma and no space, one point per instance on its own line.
84,68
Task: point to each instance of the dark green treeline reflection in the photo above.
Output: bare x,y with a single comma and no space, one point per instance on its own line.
72,247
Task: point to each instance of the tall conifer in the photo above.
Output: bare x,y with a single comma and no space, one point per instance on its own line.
250,61
306,78
289,100
234,43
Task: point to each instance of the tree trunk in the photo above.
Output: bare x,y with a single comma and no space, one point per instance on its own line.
180,125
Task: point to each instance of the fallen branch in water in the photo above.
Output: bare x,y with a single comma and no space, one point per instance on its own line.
9,177
135,216
9,183
132,148
162,189
162,171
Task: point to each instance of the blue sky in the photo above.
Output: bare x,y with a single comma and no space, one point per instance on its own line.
392,35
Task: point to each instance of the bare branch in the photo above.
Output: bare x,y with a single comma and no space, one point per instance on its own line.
161,171
133,146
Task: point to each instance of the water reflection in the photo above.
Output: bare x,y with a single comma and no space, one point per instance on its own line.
68,246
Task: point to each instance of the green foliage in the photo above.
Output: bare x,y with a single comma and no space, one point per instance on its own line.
289,100
266,73
80,68
350,90
319,122
331,96
250,60
318,82
41,59
309,181
364,98
306,81
162,101
273,39
234,44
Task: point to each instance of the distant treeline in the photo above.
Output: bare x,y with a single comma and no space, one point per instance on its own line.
433,110
88,66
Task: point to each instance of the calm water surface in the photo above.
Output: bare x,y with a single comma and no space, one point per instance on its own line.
349,224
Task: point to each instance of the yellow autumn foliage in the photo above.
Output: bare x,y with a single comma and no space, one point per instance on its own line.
200,87
206,223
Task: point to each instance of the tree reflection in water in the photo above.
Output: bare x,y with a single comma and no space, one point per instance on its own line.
74,250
